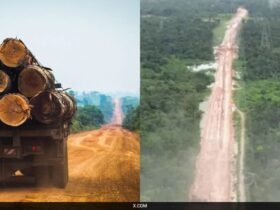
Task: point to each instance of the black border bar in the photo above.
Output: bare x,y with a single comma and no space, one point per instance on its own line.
141,205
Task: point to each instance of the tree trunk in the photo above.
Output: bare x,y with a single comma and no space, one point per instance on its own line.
5,82
14,109
34,79
51,106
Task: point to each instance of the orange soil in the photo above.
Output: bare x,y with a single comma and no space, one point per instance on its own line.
104,166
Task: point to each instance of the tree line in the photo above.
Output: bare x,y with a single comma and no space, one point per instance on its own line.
259,98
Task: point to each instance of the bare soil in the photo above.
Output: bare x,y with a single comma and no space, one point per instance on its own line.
104,166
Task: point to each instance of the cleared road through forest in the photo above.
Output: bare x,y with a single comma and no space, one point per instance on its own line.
214,174
104,165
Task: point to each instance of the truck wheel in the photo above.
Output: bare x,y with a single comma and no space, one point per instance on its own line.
60,171
42,175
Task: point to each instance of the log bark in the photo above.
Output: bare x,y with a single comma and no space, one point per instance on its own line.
5,82
34,79
14,109
52,106
70,106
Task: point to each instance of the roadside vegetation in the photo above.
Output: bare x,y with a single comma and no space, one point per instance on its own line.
237,137
132,119
219,30
259,99
87,118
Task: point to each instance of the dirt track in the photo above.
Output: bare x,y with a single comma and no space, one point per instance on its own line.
214,175
103,166
117,114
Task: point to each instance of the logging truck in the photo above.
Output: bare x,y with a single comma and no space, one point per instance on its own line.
35,118
36,150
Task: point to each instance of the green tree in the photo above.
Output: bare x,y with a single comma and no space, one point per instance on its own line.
87,117
132,119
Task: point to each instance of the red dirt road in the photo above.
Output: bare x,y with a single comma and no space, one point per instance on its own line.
117,114
214,166
104,165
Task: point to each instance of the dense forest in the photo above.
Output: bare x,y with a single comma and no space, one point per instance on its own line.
96,109
129,103
259,99
101,101
131,111
178,33
86,118
132,119
174,35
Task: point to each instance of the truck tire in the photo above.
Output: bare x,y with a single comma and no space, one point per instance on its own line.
60,171
42,176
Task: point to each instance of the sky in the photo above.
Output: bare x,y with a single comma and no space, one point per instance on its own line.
92,45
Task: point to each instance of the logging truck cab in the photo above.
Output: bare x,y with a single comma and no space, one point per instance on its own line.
35,150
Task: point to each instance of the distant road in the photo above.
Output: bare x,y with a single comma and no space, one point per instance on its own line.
117,118
215,169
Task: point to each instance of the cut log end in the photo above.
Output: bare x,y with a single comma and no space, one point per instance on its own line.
13,52
47,107
31,82
4,82
34,79
14,109
51,106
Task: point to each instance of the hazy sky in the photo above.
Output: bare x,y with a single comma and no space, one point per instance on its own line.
90,44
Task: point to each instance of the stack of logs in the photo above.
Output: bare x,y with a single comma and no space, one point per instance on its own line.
28,90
